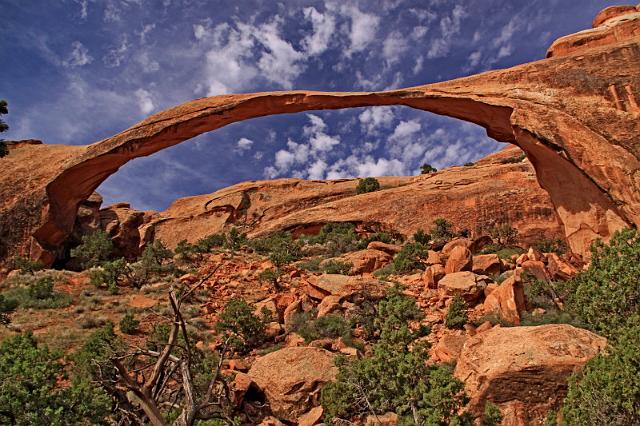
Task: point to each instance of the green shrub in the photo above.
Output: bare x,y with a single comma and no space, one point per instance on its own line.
280,247
337,238
234,239
421,237
427,168
336,267
311,265
368,184
92,360
6,306
41,288
457,314
442,230
409,258
129,324
504,235
607,390
4,149
469,164
328,326
30,391
154,256
238,321
204,245
94,249
491,415
607,294
26,265
513,160
269,276
109,275
547,245
396,377
384,272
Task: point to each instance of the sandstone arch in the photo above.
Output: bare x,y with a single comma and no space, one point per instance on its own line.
575,114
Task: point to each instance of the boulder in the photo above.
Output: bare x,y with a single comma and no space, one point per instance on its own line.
507,300
347,287
391,249
456,242
432,275
536,268
329,304
448,347
459,260
464,284
312,417
367,260
526,364
558,268
433,258
291,379
486,264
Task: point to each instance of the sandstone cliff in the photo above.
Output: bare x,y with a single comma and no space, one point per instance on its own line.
575,115
501,188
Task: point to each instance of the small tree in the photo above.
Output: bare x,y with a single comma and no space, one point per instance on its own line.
607,294
245,329
607,390
368,184
421,237
425,169
6,307
396,377
409,258
31,391
94,249
457,314
504,235
4,150
442,230
129,324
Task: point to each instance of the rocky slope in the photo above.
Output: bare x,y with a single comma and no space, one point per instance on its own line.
499,189
575,114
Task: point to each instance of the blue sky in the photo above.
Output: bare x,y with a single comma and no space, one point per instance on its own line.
78,71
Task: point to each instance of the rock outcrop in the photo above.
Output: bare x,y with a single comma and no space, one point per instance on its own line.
524,365
575,115
292,394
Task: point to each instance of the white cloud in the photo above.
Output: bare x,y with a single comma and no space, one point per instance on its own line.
323,29
227,68
145,101
84,5
418,65
362,30
148,65
404,130
394,46
244,144
317,169
373,119
474,59
449,28
79,56
280,62
115,55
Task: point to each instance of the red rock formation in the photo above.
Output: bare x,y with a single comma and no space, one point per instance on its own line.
574,114
524,365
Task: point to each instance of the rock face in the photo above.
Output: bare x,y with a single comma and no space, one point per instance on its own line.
574,114
294,393
529,365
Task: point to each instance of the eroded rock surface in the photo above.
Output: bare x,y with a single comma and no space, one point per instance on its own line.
527,365
575,114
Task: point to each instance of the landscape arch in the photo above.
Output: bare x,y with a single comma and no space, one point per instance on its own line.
576,117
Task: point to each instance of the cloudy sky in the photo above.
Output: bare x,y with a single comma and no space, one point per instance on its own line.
78,71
